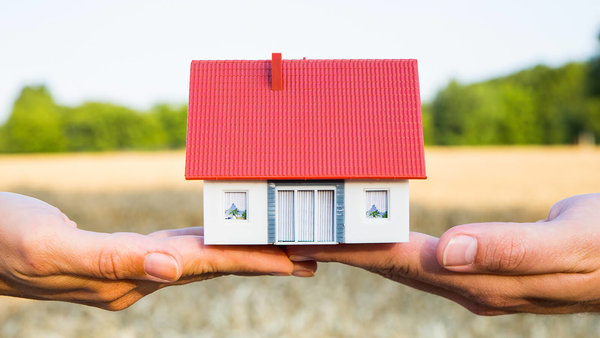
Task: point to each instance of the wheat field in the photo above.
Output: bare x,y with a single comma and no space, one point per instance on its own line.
144,192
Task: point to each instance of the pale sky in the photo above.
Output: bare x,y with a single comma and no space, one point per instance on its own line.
137,53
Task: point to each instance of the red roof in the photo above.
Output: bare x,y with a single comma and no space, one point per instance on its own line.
332,119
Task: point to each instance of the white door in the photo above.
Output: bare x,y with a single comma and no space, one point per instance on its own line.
305,214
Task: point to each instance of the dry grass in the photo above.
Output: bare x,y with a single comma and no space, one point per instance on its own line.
146,191
101,172
530,177
458,177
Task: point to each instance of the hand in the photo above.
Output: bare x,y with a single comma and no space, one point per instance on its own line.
44,256
552,266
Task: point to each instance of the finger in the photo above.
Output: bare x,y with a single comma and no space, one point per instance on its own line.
414,260
77,289
576,208
515,248
192,231
413,264
465,301
116,256
200,259
366,255
304,268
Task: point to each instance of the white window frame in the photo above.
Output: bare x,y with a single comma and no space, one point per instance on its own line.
248,214
295,188
389,199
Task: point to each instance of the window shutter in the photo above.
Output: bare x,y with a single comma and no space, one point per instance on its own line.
306,201
324,216
285,215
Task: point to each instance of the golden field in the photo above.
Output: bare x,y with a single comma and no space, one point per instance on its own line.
144,192
457,177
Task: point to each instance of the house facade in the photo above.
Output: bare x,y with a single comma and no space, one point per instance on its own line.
305,151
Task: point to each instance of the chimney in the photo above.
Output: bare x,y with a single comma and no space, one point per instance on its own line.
276,77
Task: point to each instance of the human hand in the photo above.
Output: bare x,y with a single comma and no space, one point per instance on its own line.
43,255
552,266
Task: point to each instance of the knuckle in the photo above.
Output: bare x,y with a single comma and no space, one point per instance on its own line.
108,263
32,264
35,250
506,254
393,272
390,268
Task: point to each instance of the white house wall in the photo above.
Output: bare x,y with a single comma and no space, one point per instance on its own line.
360,229
218,230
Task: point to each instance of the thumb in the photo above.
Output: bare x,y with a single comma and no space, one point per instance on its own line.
511,248
409,259
118,256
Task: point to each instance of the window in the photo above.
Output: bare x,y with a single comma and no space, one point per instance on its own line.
235,205
376,204
305,214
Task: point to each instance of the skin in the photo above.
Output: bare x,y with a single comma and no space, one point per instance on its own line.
43,255
551,266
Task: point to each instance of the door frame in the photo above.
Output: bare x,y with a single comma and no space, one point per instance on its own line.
314,188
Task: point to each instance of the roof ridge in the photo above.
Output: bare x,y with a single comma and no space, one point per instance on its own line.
305,60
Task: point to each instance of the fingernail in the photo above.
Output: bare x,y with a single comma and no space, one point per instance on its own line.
161,266
303,270
295,258
303,273
460,250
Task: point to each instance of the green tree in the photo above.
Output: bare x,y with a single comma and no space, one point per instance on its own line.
591,111
559,95
517,120
593,75
173,120
35,123
103,126
428,131
540,105
3,139
465,115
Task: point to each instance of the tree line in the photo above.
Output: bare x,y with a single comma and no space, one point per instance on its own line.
38,124
539,105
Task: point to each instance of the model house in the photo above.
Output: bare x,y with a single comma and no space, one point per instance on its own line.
305,151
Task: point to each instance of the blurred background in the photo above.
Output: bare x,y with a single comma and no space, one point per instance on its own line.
92,120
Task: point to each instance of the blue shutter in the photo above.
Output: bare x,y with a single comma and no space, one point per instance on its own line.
271,212
339,212
306,215
325,216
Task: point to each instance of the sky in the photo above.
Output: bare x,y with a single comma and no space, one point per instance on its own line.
137,53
